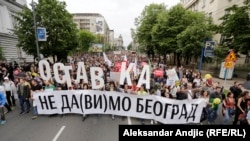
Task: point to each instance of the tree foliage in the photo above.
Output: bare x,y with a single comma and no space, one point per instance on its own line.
129,47
145,24
197,30
84,39
173,31
61,31
235,28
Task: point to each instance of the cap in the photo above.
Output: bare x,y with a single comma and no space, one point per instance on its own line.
6,78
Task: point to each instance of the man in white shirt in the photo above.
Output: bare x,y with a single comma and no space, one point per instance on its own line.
8,86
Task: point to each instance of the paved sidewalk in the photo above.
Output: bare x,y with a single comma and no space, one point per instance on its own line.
226,83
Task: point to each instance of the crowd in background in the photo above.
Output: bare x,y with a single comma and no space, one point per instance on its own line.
20,82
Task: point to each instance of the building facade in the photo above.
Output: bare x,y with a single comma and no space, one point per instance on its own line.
213,8
93,22
111,38
118,43
8,40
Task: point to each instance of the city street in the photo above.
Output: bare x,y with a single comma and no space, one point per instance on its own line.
57,128
70,126
76,57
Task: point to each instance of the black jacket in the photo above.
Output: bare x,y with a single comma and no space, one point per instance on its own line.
26,91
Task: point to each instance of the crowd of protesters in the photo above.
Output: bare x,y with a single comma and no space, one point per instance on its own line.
20,82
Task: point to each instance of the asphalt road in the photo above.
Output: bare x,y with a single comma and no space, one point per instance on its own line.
70,127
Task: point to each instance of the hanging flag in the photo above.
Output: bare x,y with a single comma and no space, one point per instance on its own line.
107,61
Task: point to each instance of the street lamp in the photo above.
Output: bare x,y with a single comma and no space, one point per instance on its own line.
35,28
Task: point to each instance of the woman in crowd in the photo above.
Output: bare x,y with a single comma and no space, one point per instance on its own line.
142,92
205,96
49,85
85,87
228,107
241,107
113,88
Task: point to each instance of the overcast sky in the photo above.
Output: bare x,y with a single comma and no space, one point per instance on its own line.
119,14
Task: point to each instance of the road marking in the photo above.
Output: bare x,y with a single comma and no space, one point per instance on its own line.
58,133
129,121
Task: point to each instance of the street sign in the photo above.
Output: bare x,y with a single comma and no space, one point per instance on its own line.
41,34
209,49
231,57
229,64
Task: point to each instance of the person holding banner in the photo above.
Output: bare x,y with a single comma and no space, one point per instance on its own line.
23,91
180,94
167,92
49,85
85,87
112,88
142,92
35,87
134,87
126,88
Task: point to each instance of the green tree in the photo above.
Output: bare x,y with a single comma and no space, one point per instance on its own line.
145,24
61,31
85,38
100,39
181,32
191,40
235,28
169,24
129,47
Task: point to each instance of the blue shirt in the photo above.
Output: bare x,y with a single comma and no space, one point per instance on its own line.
2,99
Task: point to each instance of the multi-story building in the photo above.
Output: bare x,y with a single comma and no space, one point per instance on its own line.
8,40
93,22
118,43
111,38
213,8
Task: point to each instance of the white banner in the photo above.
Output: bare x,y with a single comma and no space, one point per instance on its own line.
167,111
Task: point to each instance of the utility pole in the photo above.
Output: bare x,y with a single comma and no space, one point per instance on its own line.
35,28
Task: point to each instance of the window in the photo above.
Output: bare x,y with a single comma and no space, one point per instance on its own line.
196,7
13,19
203,3
210,14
